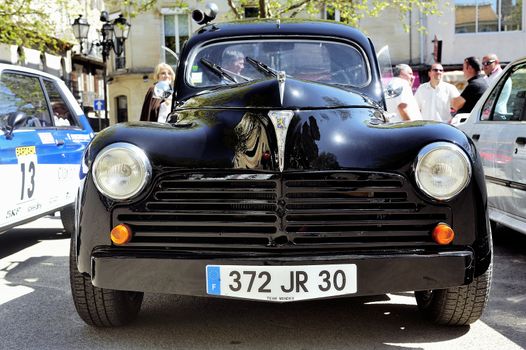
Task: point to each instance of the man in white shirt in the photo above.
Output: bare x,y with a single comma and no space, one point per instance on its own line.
436,97
403,106
491,67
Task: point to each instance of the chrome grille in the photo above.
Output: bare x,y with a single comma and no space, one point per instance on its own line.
282,211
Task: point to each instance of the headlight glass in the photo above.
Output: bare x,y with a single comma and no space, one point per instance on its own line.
442,170
121,170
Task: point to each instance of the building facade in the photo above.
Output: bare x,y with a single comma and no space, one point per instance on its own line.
465,28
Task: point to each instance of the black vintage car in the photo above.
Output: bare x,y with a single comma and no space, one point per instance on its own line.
278,178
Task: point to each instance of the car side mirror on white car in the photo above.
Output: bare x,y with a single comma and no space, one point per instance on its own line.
459,119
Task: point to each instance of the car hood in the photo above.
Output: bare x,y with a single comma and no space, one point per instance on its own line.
323,139
288,93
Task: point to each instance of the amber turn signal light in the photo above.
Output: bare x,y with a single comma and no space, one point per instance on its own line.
121,234
443,234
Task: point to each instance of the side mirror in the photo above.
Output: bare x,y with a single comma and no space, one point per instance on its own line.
14,120
460,118
162,90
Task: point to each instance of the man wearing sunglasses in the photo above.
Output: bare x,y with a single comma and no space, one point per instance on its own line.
491,66
436,97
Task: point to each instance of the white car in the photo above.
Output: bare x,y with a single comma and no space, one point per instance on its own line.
497,126
43,135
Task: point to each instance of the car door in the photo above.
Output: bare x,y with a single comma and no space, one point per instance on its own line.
39,161
503,117
517,133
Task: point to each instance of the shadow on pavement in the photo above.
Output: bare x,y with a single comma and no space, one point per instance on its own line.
22,237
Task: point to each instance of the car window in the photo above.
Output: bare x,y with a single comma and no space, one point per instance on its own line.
21,93
312,60
507,102
62,116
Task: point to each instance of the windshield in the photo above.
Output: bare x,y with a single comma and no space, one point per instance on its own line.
242,61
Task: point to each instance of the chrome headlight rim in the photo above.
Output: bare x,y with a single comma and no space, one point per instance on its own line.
135,152
442,145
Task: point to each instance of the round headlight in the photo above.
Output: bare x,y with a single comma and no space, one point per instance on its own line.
121,170
442,170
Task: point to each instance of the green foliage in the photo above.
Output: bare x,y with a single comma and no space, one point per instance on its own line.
27,23
351,11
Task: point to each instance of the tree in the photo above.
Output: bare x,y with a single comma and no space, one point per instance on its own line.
30,23
351,11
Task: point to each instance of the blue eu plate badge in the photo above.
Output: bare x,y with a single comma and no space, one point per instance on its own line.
213,280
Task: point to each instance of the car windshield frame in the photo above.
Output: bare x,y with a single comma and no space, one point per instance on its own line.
195,70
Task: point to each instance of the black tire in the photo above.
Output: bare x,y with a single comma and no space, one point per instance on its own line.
101,307
456,306
67,216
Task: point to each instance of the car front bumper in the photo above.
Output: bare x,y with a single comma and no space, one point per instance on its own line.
185,273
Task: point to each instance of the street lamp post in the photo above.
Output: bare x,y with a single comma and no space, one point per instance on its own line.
114,34
80,30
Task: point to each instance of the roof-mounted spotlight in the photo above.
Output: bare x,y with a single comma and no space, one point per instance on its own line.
209,14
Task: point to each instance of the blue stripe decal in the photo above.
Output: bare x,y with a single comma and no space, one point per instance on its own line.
213,280
68,153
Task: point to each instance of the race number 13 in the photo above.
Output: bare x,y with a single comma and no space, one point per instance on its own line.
28,171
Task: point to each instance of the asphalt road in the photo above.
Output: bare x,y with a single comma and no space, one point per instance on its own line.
36,310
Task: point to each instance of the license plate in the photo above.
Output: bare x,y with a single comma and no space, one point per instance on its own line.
281,283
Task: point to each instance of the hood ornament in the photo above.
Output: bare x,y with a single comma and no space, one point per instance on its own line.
281,121
281,76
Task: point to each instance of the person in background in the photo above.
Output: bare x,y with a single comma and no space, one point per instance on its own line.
155,109
436,97
491,67
476,85
404,106
60,114
233,61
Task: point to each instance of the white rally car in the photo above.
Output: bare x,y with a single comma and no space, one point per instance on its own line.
44,134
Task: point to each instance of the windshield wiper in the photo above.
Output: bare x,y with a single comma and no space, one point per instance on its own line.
217,69
222,72
262,67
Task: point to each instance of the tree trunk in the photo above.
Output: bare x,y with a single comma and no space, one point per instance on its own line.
262,9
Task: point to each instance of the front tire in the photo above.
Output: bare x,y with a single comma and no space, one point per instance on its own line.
456,306
101,307
67,216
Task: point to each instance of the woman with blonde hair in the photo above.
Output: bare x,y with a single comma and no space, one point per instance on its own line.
156,109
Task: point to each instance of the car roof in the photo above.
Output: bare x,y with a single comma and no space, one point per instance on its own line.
13,67
273,27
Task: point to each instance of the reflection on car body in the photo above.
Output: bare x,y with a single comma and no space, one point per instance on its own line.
287,185
39,158
497,124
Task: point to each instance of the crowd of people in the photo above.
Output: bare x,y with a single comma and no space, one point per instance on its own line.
436,99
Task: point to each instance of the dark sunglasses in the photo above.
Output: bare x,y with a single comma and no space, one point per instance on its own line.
487,63
437,70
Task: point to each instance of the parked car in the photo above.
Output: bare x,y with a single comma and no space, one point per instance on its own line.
280,182
44,133
497,125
